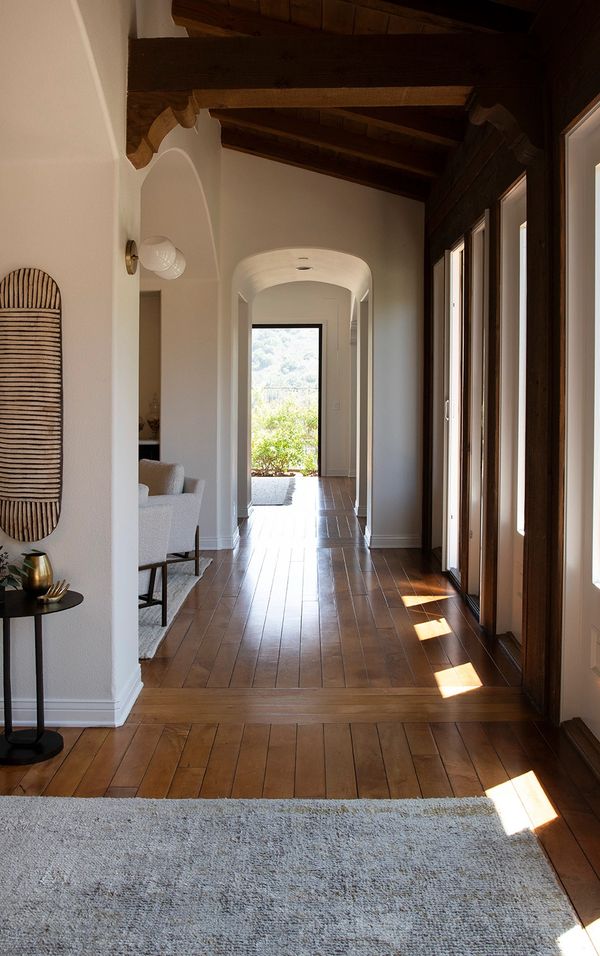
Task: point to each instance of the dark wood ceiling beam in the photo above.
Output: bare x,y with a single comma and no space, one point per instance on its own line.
480,14
378,177
425,124
171,79
280,123
331,68
205,18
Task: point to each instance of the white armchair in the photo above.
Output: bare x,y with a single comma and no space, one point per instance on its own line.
154,531
167,485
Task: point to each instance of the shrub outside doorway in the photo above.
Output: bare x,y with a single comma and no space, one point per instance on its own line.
285,400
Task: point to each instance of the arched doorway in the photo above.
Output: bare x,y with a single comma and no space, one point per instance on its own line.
290,267
173,204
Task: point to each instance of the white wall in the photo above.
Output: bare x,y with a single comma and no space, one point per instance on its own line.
269,206
327,305
68,201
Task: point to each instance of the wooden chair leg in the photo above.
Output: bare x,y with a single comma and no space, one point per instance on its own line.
152,584
197,552
164,594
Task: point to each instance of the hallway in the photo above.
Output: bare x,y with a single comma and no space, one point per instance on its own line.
303,665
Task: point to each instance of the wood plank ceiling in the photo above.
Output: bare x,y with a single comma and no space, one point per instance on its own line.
400,149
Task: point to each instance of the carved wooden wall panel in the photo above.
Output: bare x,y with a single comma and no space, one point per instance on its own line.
31,408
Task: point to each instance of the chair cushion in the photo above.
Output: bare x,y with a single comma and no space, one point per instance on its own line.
161,477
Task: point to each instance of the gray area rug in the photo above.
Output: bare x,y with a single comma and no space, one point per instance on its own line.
275,878
179,584
273,491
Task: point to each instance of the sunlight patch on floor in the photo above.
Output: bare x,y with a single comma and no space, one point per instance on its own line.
457,680
575,942
429,629
522,803
412,600
533,795
511,811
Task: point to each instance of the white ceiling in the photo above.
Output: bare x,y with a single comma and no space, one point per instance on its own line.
279,266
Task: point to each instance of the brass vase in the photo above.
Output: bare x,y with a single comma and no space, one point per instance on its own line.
37,573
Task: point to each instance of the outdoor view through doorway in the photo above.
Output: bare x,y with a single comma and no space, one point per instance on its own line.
286,402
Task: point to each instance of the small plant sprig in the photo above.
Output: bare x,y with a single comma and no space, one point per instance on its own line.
10,574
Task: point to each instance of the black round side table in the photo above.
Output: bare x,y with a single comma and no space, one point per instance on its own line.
29,746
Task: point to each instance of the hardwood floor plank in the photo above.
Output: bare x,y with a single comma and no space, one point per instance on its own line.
432,776
220,771
310,761
484,757
280,769
198,746
421,740
373,652
137,756
370,769
305,705
400,771
99,774
340,775
457,763
429,768
250,770
310,646
68,776
164,762
186,783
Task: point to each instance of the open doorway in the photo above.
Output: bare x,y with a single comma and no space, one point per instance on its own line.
286,403
149,375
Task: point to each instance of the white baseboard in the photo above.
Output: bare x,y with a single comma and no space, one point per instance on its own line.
128,697
358,512
245,512
61,712
391,540
224,543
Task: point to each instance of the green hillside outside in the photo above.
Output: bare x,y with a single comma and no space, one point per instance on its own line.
285,400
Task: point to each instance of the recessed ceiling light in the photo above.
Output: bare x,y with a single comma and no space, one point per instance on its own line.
303,268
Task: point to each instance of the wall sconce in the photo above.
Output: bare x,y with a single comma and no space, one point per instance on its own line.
158,254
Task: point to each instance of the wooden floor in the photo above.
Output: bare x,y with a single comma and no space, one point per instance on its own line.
304,665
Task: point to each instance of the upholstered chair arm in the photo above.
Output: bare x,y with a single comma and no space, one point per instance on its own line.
186,513
194,486
154,532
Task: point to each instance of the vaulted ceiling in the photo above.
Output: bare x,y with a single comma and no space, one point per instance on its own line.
377,92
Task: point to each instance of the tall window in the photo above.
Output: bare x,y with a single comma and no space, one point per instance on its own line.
454,413
596,478
522,378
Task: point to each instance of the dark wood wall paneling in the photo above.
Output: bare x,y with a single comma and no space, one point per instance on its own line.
479,174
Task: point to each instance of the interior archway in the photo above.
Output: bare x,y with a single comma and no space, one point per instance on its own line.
173,204
264,271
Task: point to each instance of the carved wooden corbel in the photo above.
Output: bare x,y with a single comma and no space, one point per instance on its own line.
150,116
517,113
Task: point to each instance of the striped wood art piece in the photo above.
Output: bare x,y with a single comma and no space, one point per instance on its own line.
30,404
